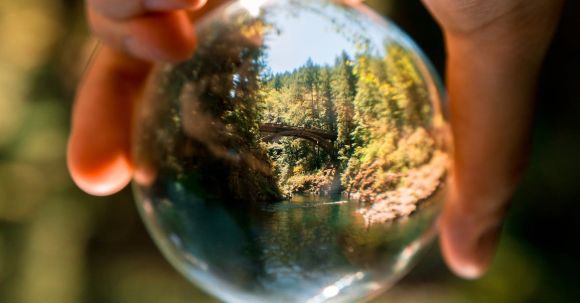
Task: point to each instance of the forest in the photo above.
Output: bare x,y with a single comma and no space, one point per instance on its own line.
357,128
376,113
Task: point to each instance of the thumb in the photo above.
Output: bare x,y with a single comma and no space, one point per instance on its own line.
469,231
492,68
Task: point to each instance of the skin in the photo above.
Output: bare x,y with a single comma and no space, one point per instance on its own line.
495,49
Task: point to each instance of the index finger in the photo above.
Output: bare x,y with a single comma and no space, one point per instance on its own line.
98,154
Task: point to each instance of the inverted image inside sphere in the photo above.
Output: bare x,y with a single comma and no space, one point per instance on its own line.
298,156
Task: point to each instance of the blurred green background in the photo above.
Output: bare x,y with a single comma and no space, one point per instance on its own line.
60,245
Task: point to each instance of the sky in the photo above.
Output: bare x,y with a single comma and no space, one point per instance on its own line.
301,38
318,31
308,36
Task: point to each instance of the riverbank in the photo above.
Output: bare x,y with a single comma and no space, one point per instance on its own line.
416,186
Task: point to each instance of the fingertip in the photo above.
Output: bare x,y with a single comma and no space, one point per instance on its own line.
459,262
468,271
98,151
468,240
97,176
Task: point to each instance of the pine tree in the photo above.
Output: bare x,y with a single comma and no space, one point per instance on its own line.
344,91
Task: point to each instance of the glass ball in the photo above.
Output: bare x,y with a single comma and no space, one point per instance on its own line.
298,156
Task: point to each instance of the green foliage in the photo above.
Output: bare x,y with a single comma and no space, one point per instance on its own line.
344,91
366,119
377,108
214,103
392,113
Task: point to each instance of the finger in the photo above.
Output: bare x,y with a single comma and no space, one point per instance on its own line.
493,64
154,37
115,9
98,154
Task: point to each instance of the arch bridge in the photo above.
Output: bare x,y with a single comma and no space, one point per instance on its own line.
272,132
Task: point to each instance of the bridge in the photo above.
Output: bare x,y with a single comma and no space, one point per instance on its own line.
272,132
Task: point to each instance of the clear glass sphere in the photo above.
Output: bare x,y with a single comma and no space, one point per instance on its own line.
298,156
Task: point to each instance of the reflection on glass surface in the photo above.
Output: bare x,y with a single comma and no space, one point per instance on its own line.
298,156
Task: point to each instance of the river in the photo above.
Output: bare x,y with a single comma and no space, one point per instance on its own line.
289,251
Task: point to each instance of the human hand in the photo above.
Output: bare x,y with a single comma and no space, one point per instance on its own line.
495,50
135,33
